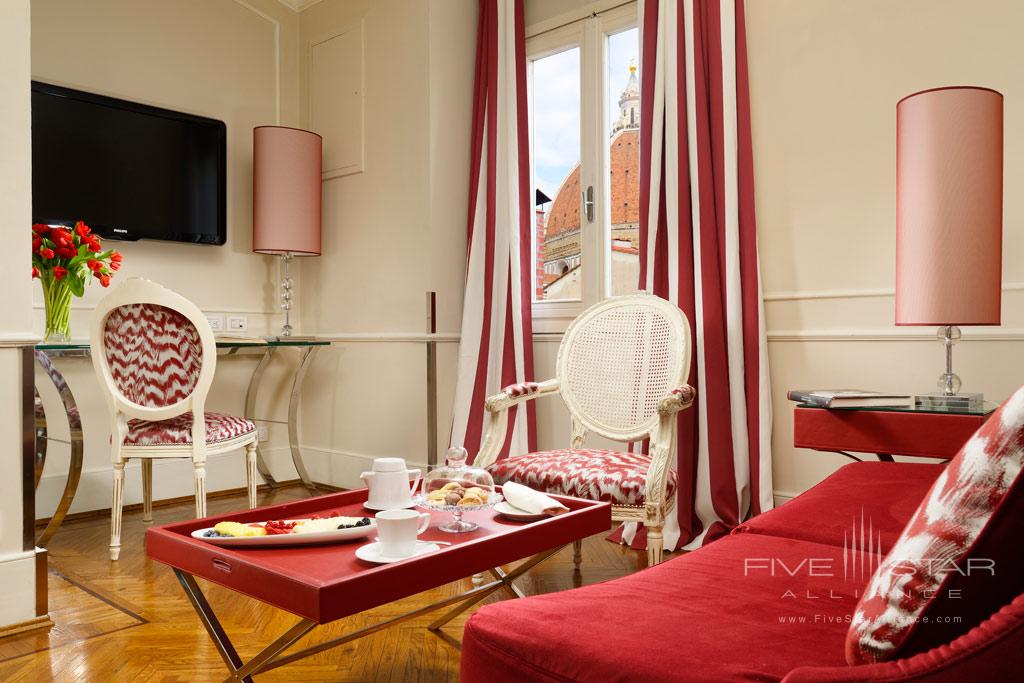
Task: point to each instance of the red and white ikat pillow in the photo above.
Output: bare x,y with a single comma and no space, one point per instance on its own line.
957,509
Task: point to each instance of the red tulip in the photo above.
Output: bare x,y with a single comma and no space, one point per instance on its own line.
62,237
116,256
46,253
37,242
114,265
94,244
105,280
35,272
82,229
67,252
59,272
41,229
94,265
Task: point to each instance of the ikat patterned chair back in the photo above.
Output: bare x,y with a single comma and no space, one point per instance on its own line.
154,354
618,359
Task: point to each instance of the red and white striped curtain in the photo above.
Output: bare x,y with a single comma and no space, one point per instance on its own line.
698,249
497,332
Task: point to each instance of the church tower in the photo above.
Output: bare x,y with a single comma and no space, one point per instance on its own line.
629,104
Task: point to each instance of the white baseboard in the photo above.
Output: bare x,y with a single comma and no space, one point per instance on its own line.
172,478
783,497
342,468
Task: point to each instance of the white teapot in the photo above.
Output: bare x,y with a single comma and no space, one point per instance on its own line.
389,484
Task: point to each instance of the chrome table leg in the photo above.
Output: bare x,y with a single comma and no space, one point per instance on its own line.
250,411
293,415
75,443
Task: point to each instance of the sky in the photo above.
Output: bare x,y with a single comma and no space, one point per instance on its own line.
556,106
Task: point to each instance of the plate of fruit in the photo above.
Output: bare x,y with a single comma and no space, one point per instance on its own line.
309,531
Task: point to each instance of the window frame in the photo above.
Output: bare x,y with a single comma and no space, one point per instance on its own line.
590,34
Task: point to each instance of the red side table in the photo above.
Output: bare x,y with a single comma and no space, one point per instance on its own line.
885,431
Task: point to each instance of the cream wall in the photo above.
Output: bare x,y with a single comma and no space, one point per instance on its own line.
392,231
232,60
825,76
17,565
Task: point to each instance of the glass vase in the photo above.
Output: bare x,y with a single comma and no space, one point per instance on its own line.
57,301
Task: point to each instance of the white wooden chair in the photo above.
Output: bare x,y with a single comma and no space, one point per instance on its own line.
155,356
621,371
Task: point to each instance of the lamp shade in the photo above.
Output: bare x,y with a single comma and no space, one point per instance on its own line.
949,207
286,191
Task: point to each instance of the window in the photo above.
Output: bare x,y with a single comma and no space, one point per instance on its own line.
584,97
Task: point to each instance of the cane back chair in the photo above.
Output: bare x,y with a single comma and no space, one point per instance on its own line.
621,371
155,356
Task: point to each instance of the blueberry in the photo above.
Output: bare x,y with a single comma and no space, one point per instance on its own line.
365,521
211,534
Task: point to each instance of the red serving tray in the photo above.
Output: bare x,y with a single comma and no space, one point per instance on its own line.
328,582
916,433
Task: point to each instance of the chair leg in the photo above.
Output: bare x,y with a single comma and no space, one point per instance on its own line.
200,471
147,490
577,553
655,545
115,511
250,472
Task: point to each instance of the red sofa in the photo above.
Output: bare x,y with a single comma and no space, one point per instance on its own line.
770,602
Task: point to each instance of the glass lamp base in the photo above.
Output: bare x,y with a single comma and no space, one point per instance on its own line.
951,402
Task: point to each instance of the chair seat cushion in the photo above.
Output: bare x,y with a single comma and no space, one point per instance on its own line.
744,608
177,431
608,476
882,495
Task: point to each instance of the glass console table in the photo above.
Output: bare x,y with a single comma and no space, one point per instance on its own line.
45,353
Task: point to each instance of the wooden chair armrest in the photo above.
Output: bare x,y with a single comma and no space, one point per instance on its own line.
515,394
679,398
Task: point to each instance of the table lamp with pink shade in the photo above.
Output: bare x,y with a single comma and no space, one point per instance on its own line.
286,199
949,219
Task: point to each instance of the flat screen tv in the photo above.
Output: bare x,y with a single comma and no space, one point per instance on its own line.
129,170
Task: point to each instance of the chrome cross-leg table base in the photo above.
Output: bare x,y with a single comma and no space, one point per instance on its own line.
308,355
272,656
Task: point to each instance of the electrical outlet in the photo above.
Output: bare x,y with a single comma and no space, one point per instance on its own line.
216,322
238,323
262,433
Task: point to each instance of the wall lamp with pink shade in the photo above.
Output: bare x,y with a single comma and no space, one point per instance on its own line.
286,199
949,218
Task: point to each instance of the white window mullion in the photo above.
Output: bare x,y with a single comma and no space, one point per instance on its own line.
592,160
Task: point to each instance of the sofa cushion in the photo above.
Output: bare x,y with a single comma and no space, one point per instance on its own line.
884,495
590,473
747,607
960,555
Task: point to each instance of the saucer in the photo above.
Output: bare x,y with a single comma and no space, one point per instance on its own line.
506,509
371,552
410,504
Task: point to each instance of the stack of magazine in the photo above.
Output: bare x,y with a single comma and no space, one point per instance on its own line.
850,398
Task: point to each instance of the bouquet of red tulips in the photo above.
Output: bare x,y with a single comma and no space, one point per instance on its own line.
65,260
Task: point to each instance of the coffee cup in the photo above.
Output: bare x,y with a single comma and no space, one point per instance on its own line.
397,531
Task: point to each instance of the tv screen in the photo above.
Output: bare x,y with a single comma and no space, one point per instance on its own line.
129,170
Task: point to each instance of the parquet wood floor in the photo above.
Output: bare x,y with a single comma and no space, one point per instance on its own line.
130,621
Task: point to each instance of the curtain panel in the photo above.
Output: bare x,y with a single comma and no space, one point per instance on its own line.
497,331
698,249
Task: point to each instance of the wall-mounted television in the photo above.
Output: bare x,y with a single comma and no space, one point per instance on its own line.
129,170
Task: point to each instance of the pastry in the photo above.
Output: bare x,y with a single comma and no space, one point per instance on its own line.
452,498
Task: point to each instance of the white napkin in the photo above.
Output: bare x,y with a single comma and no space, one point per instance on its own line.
528,500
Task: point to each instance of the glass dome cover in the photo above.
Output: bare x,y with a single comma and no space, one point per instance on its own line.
458,488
